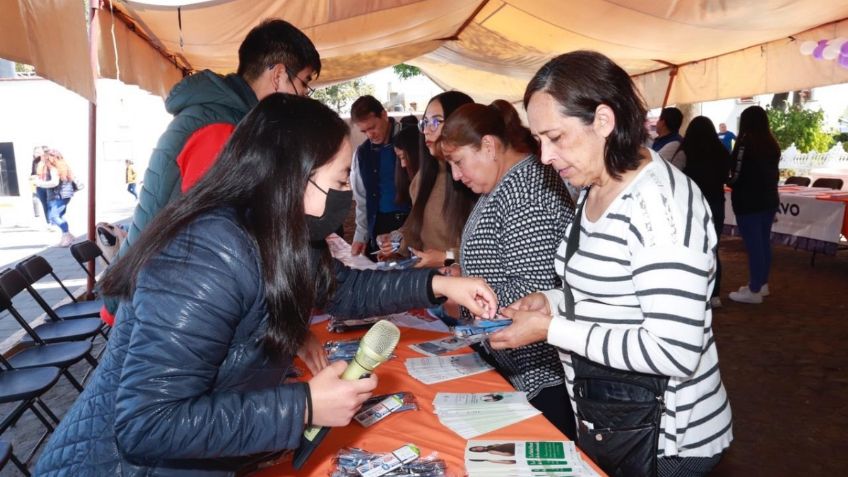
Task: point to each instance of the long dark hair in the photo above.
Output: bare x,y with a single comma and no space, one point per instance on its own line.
707,161
468,124
459,200
755,132
262,173
407,140
580,81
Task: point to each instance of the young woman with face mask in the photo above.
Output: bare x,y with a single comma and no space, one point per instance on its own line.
216,299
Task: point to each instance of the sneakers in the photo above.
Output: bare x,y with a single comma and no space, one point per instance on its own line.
715,302
67,240
745,295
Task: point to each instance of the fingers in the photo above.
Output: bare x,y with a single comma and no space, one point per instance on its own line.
508,312
365,385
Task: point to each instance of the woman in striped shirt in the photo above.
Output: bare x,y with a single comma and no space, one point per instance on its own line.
644,269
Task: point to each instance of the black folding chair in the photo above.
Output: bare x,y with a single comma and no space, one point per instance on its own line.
61,355
25,387
797,180
829,182
87,251
6,455
56,330
34,269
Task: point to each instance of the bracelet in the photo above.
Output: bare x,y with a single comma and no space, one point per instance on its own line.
308,406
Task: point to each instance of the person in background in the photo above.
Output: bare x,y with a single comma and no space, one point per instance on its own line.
642,272
407,149
708,165
216,299
727,137
274,57
755,198
131,178
373,176
441,205
511,236
409,120
39,193
54,174
667,143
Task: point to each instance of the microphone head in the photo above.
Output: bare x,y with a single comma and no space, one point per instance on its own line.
378,344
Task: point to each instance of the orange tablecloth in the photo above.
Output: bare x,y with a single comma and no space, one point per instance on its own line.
420,427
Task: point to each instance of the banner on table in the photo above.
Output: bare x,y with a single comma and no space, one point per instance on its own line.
802,216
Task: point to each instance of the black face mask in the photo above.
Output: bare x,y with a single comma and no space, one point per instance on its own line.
336,209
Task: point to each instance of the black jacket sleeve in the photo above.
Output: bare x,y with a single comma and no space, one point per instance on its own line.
361,293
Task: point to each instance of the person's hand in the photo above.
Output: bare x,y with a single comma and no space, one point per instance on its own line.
312,353
527,327
430,258
335,401
472,293
356,248
452,271
384,241
532,302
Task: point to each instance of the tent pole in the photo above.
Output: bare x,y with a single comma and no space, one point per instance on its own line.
672,73
92,143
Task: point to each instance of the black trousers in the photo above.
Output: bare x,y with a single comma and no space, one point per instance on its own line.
556,407
386,222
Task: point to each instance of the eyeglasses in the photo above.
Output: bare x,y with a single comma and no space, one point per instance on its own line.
309,89
433,123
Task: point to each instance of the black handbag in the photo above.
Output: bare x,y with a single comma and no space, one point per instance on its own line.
618,412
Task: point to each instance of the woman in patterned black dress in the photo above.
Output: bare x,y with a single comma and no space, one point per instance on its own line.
512,234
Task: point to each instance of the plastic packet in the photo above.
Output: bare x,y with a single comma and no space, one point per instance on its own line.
377,408
349,459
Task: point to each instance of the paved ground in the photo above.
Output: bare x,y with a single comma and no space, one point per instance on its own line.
784,364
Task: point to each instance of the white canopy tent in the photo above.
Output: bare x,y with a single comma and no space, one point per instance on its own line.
489,48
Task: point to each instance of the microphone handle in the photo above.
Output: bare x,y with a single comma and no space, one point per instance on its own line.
312,436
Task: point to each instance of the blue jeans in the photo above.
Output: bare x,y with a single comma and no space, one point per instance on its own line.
56,209
756,233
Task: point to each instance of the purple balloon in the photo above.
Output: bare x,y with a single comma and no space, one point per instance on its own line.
844,50
817,53
843,61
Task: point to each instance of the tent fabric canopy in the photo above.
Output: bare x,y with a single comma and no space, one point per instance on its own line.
488,48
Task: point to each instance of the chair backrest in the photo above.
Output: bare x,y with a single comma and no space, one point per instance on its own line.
798,180
11,283
34,268
87,251
37,267
829,182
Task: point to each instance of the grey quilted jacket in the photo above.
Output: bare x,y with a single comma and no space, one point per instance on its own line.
184,387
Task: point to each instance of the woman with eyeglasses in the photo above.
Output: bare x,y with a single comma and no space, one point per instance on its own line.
216,299
441,205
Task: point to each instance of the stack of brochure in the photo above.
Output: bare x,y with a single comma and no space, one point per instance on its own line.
525,458
444,368
471,415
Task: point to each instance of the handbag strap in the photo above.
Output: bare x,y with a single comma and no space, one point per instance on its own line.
571,247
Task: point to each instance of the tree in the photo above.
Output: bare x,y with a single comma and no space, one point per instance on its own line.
404,71
340,96
794,124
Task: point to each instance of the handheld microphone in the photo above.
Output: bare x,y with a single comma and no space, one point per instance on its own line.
376,346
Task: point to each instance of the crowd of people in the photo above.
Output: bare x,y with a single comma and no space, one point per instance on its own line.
211,297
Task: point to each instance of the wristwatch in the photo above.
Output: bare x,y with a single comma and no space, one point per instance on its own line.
449,258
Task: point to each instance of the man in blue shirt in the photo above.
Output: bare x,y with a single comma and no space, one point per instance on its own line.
373,176
727,137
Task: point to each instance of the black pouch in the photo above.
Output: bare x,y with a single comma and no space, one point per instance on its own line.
624,410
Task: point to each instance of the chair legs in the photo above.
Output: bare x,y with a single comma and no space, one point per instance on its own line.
72,380
21,467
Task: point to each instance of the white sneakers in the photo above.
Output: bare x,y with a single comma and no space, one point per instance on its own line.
67,240
745,295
